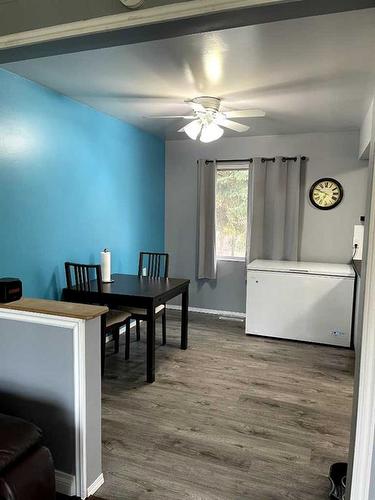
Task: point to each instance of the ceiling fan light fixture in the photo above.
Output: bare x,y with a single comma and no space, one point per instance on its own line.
211,132
132,4
193,129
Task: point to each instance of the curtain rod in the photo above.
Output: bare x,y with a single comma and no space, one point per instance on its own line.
250,160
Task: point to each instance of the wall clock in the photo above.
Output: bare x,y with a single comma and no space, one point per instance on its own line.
326,193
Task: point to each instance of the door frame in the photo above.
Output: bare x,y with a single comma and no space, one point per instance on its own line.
362,460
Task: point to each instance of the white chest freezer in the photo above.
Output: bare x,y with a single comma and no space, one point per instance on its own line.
306,301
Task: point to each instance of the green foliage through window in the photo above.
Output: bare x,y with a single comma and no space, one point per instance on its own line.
231,212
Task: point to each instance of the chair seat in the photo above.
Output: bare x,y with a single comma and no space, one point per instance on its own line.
138,311
115,316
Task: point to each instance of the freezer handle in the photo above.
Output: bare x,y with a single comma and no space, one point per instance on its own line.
298,270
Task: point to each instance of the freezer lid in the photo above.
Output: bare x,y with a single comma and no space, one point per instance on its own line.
289,266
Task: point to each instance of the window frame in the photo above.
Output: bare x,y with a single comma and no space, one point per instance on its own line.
226,166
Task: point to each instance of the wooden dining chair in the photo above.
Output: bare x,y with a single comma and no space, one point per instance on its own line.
152,265
78,277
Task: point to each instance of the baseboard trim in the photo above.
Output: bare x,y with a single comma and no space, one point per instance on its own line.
216,312
65,483
93,488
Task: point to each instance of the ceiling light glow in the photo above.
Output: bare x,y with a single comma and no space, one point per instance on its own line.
213,66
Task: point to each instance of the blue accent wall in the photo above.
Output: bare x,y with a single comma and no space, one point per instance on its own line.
72,182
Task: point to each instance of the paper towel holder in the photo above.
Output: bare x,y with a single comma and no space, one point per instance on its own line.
106,267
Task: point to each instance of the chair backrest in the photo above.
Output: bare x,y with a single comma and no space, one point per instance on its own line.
156,264
83,274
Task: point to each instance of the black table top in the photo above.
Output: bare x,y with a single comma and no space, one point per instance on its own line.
133,285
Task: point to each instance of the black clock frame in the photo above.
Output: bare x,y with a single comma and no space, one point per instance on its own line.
325,179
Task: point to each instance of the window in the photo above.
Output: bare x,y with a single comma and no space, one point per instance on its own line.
231,212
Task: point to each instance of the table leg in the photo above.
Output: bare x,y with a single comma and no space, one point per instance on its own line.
150,360
185,318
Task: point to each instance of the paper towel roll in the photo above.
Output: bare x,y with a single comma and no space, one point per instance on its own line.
105,261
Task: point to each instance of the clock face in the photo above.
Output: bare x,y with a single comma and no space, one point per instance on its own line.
326,193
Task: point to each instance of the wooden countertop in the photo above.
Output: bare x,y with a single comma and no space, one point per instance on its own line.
57,308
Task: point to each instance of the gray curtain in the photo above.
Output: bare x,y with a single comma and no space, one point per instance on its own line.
206,219
273,209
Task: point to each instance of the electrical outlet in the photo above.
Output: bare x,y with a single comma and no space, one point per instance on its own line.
358,241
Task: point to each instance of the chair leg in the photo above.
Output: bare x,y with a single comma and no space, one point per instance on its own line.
116,338
164,327
138,329
127,340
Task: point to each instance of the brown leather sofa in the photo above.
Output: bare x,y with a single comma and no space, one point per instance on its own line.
26,467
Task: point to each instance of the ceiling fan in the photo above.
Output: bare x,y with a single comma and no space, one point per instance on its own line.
208,120
132,4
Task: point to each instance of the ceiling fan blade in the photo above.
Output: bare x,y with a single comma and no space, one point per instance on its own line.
164,117
237,127
196,106
245,113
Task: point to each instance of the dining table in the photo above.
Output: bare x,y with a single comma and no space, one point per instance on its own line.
128,290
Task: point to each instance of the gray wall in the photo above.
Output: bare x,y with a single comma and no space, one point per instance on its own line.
326,236
37,384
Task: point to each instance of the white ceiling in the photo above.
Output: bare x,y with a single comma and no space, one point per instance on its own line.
311,74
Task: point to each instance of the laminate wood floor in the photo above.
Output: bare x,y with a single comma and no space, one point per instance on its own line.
231,418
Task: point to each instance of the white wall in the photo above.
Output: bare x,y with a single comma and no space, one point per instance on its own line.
366,133
326,235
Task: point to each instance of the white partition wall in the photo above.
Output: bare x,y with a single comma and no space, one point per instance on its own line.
50,374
